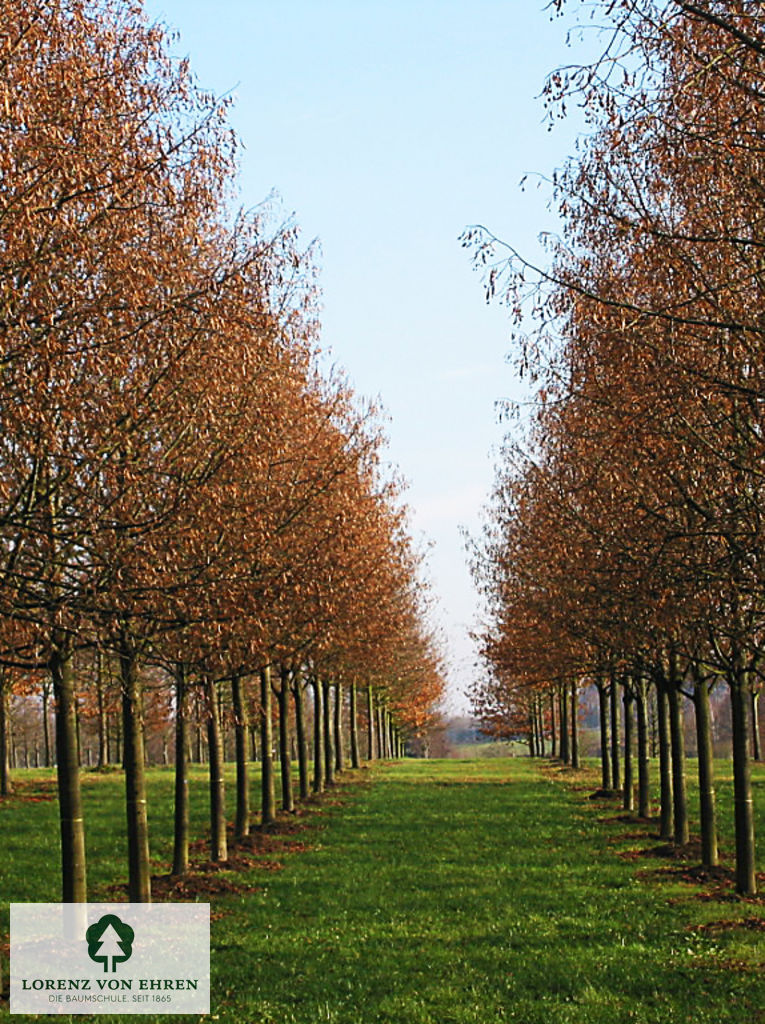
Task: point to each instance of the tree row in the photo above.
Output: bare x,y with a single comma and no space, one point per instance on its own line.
623,547
182,491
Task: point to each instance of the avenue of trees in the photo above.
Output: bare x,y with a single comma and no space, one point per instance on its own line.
194,522
624,544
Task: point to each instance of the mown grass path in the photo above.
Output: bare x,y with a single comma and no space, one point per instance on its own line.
478,892
461,892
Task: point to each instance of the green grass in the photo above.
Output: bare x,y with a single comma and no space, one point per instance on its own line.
453,892
491,748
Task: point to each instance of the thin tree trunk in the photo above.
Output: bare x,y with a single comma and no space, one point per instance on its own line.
615,737
677,740
73,870
318,736
574,725
181,816
218,838
268,795
300,735
46,722
667,816
380,732
283,697
103,731
554,751
134,757
746,882
355,759
542,724
755,718
644,786
565,755
532,745
339,744
118,738
6,787
241,736
329,752
77,734
370,724
221,724
605,762
653,720
628,796
705,756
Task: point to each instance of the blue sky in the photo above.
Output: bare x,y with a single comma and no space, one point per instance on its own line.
388,127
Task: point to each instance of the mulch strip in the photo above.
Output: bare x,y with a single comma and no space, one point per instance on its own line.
32,791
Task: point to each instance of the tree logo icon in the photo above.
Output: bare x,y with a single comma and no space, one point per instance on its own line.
110,939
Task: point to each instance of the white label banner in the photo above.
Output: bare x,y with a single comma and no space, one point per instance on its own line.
149,958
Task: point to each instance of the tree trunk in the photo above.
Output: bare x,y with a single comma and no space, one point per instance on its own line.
285,763
532,745
339,744
103,731
46,722
644,783
198,743
677,740
755,718
77,734
565,756
554,751
218,838
380,731
241,737
300,735
746,882
268,795
615,737
221,724
653,720
370,724
355,759
5,762
118,738
318,736
628,796
329,752
181,816
605,762
134,758
73,871
667,818
705,756
542,724
574,725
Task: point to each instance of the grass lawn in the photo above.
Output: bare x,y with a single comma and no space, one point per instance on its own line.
442,893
